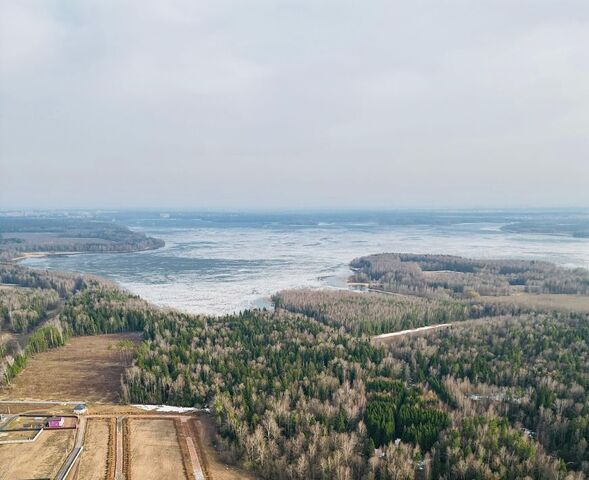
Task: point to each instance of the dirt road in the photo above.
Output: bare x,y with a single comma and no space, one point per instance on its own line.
384,336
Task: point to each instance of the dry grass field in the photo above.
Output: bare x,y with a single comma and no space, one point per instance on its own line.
94,458
154,451
569,303
43,409
40,459
18,435
87,368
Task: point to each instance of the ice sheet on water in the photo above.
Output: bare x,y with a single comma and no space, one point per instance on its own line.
214,269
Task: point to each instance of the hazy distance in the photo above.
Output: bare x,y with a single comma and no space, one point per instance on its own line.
276,104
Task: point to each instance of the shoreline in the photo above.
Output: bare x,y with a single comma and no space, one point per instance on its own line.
43,254
26,255
337,279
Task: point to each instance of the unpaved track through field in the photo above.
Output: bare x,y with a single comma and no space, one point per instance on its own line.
197,470
73,456
119,456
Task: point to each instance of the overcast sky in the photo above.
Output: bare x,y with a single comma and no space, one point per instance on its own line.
297,104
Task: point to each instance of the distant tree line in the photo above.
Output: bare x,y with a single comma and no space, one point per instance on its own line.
40,234
457,277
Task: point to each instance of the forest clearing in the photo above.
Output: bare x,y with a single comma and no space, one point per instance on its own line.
86,368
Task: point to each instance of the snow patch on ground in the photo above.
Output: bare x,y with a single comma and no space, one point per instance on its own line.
170,409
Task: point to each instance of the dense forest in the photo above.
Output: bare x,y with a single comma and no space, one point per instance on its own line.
29,297
308,395
506,364
295,398
532,370
23,309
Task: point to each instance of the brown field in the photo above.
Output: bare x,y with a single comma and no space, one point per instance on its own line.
21,435
87,368
94,457
40,459
569,303
44,409
154,451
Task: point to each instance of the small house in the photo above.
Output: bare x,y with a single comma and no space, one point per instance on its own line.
55,422
80,409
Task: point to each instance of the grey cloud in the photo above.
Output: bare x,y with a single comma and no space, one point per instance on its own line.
270,104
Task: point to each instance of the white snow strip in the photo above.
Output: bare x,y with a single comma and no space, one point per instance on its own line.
413,330
170,408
